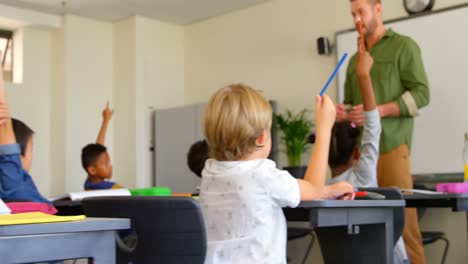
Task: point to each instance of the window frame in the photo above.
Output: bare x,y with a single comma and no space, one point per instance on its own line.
8,35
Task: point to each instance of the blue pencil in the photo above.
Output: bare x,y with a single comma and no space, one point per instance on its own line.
334,73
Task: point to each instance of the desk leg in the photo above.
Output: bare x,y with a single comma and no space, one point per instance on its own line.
107,252
389,243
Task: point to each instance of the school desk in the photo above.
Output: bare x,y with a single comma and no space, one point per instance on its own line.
359,231
457,201
88,238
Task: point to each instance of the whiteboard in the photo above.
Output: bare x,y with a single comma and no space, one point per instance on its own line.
439,129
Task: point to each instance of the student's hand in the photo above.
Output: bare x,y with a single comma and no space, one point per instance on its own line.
364,60
4,113
340,190
356,115
347,196
107,113
341,114
325,113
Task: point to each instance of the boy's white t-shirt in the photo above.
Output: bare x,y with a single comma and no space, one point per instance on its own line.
242,204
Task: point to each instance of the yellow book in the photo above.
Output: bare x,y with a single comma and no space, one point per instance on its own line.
35,218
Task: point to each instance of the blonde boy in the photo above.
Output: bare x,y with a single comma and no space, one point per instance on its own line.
242,192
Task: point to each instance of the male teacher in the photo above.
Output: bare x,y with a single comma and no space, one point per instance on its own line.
401,89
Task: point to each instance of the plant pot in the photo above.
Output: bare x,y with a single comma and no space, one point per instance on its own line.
296,171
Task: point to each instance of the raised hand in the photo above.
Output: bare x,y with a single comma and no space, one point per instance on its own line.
364,60
4,113
107,113
106,117
325,113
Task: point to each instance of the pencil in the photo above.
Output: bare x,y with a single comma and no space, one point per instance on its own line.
334,73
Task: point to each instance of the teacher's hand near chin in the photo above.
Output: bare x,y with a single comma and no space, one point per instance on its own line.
356,115
341,114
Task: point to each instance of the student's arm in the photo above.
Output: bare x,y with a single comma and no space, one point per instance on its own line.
313,186
106,117
7,136
364,64
367,164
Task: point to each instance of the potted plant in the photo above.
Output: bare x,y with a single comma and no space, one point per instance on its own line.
295,130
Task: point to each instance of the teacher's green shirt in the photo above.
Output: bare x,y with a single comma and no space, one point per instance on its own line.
397,75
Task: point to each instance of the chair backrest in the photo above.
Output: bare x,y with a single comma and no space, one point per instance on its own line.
169,229
392,193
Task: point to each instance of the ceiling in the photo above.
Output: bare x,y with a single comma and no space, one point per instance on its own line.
181,12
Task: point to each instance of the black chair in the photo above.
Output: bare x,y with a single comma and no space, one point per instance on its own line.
429,237
301,232
168,229
392,193
327,235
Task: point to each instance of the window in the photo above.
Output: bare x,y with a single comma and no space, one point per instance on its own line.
6,49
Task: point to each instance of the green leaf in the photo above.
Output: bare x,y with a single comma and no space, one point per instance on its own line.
295,129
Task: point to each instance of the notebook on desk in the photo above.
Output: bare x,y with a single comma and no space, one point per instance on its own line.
35,218
77,196
3,208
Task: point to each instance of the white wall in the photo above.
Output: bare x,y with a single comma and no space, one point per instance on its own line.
159,83
58,115
270,46
88,84
124,158
149,74
30,101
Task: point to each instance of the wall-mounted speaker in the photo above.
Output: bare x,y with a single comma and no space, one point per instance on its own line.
323,46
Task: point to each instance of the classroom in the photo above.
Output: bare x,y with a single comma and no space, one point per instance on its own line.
147,58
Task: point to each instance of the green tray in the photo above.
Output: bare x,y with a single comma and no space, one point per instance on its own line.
152,191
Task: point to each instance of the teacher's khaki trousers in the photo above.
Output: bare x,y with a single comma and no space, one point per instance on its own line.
394,169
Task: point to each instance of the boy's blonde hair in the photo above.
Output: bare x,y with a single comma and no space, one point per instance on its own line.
233,119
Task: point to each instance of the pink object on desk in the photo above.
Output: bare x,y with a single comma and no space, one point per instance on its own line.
454,187
27,207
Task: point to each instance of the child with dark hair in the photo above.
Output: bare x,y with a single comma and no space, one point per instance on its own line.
16,140
96,161
197,156
346,163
